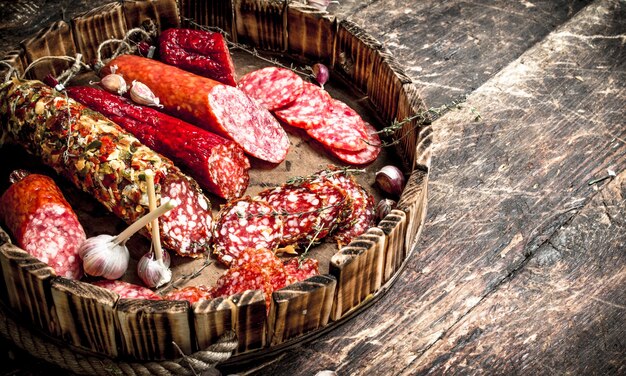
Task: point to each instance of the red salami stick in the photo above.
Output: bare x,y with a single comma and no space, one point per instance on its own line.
43,223
209,104
202,52
218,164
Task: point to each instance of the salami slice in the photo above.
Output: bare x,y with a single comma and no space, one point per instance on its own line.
245,223
299,271
102,159
268,262
341,129
299,208
242,278
368,155
127,290
199,51
309,110
219,165
332,212
191,294
209,104
43,222
273,87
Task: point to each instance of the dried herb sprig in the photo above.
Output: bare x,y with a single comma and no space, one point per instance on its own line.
325,173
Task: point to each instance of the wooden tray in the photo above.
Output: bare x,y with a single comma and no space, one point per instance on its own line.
97,326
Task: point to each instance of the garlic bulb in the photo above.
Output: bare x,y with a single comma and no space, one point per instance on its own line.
114,83
391,180
320,71
141,94
153,272
106,255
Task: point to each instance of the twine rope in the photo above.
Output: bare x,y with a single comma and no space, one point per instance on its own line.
69,359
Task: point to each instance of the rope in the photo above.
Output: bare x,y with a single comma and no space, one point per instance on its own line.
64,357
124,46
12,71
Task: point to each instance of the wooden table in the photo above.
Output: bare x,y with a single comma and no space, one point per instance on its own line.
521,266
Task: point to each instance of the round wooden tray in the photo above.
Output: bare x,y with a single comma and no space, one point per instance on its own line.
95,325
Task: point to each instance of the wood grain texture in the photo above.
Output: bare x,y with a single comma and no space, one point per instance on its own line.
311,33
413,203
86,315
212,319
261,23
57,40
354,53
250,320
163,13
212,13
414,136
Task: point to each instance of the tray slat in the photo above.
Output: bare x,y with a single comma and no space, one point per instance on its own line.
261,23
56,40
413,202
311,33
354,53
212,319
250,320
94,27
163,13
217,13
394,227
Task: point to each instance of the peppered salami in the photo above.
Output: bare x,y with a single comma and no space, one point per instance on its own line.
309,110
299,209
127,290
43,222
334,201
368,155
341,129
202,52
102,159
273,87
268,262
245,223
191,294
219,165
242,278
301,270
209,104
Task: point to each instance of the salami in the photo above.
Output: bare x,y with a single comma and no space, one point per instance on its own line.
273,87
368,155
301,270
309,110
242,278
269,263
341,129
127,290
334,203
100,158
245,223
202,52
299,209
209,104
219,165
43,222
191,294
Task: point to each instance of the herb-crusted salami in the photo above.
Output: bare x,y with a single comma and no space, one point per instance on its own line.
209,104
245,223
309,110
43,223
127,290
102,159
273,87
219,165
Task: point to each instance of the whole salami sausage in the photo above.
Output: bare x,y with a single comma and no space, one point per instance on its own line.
43,223
218,164
102,159
209,104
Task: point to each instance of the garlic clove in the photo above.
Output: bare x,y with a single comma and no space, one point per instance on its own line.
141,94
320,71
384,207
114,83
102,257
153,272
391,180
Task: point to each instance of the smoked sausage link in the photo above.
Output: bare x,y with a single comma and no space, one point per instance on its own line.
218,164
43,223
102,159
209,104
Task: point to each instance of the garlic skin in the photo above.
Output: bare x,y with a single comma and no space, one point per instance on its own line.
114,83
103,258
391,180
384,207
320,71
141,94
153,272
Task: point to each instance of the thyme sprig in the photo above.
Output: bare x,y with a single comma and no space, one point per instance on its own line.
325,173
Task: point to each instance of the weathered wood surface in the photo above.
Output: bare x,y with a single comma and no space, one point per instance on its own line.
520,266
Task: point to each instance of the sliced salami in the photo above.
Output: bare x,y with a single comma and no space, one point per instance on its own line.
368,155
299,271
191,294
299,209
127,290
43,222
273,87
341,129
268,262
309,110
245,223
242,278
334,200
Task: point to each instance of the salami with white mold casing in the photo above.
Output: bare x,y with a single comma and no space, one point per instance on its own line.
43,222
102,159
